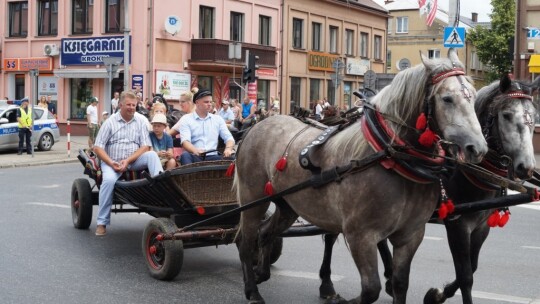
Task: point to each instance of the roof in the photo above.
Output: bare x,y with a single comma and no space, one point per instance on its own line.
366,3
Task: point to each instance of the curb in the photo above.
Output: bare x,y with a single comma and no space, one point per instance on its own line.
49,162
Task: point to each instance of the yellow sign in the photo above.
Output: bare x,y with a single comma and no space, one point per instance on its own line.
321,61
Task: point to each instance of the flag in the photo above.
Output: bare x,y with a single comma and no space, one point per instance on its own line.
428,7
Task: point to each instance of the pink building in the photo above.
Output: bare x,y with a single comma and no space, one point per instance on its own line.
174,45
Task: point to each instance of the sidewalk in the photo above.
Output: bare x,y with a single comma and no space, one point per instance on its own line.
57,155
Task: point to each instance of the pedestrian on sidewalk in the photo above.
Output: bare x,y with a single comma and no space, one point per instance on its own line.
51,106
24,117
92,118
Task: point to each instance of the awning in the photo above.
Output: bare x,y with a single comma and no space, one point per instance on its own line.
84,73
534,64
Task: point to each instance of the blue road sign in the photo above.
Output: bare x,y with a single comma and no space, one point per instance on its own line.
454,37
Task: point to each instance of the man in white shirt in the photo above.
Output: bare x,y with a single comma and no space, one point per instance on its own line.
92,119
114,102
227,114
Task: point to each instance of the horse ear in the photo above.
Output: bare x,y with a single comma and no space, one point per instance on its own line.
453,56
426,61
505,83
536,84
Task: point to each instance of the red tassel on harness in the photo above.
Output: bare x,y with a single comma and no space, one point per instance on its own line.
230,170
268,188
493,219
427,138
450,206
421,122
504,219
443,211
281,164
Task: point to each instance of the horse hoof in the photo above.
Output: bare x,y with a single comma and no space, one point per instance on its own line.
256,300
261,277
388,288
327,291
434,296
335,299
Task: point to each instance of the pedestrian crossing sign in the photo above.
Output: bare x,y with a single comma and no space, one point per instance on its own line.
454,37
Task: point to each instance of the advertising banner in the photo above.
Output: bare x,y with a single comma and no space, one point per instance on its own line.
48,85
172,84
137,83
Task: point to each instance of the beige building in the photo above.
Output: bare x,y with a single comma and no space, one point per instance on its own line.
408,35
319,32
527,45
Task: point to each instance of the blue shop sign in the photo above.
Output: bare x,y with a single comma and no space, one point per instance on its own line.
90,51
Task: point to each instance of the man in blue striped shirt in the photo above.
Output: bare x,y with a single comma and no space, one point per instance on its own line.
123,143
199,131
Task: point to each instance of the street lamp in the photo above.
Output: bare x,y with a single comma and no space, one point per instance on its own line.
111,64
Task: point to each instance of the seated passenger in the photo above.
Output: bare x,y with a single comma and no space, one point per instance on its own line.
227,114
162,142
199,132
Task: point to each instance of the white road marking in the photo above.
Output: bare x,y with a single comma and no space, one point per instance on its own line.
49,205
433,238
51,186
530,206
304,275
499,297
530,247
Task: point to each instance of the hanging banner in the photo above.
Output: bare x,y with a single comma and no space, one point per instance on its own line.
137,83
172,84
48,85
90,51
252,92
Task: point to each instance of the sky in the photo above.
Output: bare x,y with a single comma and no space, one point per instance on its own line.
482,7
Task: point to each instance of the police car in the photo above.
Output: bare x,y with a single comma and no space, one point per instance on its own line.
45,133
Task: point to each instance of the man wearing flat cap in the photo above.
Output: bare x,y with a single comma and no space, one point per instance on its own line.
200,130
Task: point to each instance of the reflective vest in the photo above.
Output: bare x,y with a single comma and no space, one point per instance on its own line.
26,117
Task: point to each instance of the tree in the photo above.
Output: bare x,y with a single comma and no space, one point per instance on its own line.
492,43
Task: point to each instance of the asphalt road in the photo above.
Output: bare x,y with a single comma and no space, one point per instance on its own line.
45,260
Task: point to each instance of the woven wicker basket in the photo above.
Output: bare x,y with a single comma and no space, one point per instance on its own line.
207,188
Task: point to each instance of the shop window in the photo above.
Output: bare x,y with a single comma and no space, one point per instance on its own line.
364,43
316,36
237,26
18,19
263,94
349,42
298,33
82,15
333,39
314,91
206,22
434,53
47,17
114,16
377,48
296,86
330,92
205,83
81,92
264,30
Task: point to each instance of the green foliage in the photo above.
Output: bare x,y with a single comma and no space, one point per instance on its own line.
492,44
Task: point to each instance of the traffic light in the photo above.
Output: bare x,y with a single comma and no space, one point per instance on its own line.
250,71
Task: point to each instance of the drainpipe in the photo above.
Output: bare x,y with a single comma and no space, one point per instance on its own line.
150,44
127,45
280,70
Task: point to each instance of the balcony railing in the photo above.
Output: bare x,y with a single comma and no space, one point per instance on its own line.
217,51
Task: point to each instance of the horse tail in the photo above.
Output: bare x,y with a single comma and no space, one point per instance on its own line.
237,191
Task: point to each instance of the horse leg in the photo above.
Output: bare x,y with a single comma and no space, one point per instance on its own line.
364,252
326,290
403,255
247,246
386,256
271,228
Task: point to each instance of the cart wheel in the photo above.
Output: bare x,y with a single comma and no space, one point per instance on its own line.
81,203
164,259
276,250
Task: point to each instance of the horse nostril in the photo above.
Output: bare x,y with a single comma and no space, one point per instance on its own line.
472,150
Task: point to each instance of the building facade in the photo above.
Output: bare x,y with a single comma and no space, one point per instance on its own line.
527,39
322,34
173,46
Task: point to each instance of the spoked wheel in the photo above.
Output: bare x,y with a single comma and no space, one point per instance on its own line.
81,203
164,259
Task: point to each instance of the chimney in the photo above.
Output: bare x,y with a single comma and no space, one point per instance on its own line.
474,17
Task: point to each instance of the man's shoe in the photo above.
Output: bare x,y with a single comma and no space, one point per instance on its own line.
19,153
101,230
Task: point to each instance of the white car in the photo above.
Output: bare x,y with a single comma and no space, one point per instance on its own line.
44,135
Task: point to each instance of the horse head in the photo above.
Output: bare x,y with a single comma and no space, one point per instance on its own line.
507,112
450,105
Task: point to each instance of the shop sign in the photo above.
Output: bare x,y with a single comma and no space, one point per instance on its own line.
48,85
26,64
171,85
356,66
137,83
90,51
252,92
321,61
266,72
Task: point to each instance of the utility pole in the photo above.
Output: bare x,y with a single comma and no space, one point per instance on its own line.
337,78
235,52
127,46
34,73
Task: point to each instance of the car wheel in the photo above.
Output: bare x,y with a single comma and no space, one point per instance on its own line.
46,141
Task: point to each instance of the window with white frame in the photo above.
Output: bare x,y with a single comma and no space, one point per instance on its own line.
206,22
333,39
349,42
377,48
264,30
298,31
402,24
434,53
18,19
237,26
316,36
364,44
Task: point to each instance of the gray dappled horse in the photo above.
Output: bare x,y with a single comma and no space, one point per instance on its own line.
366,207
506,112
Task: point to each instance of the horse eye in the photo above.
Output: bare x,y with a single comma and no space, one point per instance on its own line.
447,99
507,116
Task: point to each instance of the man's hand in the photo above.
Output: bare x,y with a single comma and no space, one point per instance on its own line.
227,152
